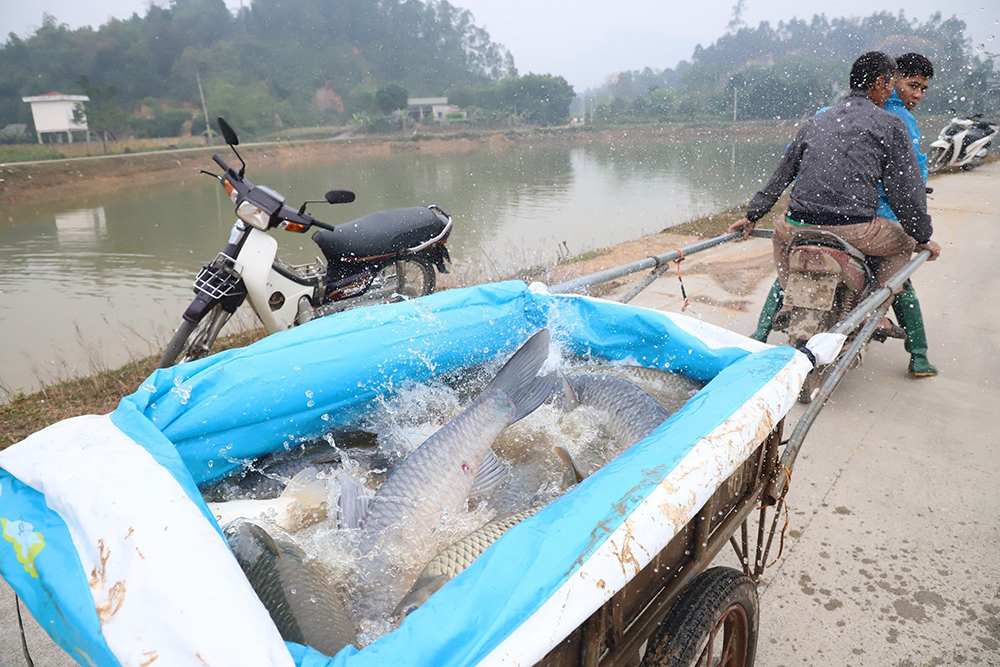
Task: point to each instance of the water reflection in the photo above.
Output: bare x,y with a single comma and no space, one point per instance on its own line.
90,284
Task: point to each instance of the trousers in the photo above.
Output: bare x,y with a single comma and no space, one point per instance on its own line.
880,238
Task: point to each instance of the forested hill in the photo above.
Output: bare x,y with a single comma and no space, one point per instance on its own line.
795,67
291,61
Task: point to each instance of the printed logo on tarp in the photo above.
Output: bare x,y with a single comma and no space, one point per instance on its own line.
27,543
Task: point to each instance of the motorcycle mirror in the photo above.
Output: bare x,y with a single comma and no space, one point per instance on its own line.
340,196
228,133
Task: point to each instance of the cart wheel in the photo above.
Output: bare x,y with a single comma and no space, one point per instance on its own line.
712,624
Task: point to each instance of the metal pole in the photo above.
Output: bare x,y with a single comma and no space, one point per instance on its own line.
861,311
208,126
873,309
584,282
839,371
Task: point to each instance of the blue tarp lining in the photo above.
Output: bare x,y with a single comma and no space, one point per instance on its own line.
297,384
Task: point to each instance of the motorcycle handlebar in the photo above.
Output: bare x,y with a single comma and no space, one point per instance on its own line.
222,163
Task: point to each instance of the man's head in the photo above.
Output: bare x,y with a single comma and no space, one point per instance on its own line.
873,73
913,74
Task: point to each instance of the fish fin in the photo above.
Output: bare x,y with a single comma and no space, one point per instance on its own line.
570,401
325,459
563,454
534,394
264,538
523,366
491,474
353,503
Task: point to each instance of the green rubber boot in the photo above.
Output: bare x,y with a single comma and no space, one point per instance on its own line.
907,310
775,299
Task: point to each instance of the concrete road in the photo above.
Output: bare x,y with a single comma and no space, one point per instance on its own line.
892,555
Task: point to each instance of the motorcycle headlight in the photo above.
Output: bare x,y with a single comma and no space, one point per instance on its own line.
252,215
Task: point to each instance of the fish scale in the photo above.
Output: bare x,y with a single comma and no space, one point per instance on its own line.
295,590
451,561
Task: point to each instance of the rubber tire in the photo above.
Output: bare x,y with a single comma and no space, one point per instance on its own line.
937,159
678,641
430,275
184,335
177,343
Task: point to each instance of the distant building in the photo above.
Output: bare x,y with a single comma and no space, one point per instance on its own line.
432,107
53,114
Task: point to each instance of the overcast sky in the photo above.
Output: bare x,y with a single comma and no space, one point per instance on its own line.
582,40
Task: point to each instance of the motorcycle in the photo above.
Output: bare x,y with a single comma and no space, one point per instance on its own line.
827,278
962,143
381,257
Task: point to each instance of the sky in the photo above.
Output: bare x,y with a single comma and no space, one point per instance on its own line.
585,40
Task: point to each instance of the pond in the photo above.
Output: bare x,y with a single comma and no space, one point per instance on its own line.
88,284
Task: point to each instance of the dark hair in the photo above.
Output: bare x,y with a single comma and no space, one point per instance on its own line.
869,67
914,64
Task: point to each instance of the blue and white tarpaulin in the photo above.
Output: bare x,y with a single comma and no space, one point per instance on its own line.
112,548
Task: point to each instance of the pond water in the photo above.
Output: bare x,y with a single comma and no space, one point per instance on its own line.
89,283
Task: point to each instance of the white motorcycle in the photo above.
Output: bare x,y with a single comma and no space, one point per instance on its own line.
382,257
962,143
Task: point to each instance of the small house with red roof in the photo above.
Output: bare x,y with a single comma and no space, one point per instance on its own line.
56,116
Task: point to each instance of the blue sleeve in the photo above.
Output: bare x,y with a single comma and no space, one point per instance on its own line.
884,211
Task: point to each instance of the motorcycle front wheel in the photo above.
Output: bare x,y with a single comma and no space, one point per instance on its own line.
418,279
194,340
937,159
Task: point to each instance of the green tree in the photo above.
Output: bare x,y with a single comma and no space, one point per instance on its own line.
538,98
391,97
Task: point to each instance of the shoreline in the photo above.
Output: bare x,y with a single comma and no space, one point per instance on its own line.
65,178
22,414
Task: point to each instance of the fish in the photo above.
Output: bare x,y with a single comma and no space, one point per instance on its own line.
302,503
442,472
631,414
671,390
454,559
296,590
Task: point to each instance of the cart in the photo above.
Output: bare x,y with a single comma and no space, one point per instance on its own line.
615,571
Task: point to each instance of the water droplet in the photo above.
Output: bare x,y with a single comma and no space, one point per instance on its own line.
980,47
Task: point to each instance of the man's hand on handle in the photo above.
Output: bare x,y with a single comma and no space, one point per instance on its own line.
930,245
745,227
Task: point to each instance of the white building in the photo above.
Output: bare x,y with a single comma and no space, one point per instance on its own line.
53,114
433,107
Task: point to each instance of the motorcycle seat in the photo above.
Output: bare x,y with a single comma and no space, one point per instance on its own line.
379,234
826,259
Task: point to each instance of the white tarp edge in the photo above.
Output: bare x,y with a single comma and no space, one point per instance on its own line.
166,588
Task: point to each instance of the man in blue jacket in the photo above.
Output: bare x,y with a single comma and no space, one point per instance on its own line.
913,74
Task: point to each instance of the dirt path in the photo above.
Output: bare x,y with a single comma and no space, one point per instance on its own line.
891,556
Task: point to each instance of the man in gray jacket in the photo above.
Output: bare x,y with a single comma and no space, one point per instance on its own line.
837,160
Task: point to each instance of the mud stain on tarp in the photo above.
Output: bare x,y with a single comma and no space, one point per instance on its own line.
115,596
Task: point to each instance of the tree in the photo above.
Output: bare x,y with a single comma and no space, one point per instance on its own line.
391,97
102,114
538,98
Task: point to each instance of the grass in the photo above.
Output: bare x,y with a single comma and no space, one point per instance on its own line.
27,152
97,393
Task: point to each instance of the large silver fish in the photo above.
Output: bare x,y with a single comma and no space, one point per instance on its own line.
632,413
671,390
452,561
296,591
439,474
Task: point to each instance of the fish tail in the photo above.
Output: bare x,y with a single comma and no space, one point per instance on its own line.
518,377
